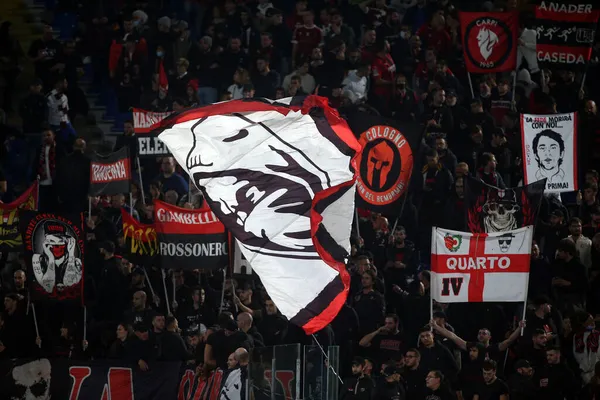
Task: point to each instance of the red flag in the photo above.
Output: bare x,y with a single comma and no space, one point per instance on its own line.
489,41
163,81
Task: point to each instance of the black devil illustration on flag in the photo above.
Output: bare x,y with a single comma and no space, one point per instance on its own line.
54,254
566,31
490,209
110,174
189,239
279,175
10,237
140,239
489,41
385,163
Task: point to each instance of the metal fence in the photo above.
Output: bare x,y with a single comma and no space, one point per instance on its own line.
294,372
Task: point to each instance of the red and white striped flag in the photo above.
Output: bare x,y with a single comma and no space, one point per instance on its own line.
472,267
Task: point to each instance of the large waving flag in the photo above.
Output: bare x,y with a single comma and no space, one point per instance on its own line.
280,177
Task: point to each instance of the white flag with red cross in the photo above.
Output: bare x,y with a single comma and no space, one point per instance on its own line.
480,267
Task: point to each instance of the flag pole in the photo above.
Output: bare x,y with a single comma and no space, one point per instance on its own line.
149,284
89,208
223,290
84,325
471,85
131,202
513,104
35,322
174,287
139,168
357,222
189,199
433,243
164,277
399,215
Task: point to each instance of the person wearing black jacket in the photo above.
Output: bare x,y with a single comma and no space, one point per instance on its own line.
436,355
33,109
488,173
205,67
391,388
455,212
360,386
570,281
521,384
557,381
73,179
172,347
447,157
413,375
143,350
437,387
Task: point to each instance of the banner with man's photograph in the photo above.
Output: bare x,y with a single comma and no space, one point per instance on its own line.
550,150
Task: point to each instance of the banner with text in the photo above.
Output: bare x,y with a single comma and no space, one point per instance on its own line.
489,41
141,242
110,174
144,122
54,254
549,145
10,237
480,267
189,239
565,32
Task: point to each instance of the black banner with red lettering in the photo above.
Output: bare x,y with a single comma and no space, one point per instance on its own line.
189,239
489,41
54,254
110,174
566,32
386,161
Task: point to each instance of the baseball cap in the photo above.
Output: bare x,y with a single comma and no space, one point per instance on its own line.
451,92
390,370
358,361
522,364
557,213
140,327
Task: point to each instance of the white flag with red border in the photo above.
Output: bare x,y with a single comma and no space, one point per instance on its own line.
480,267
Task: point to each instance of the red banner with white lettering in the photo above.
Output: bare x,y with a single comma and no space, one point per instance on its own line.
565,32
110,174
189,239
144,122
480,267
489,41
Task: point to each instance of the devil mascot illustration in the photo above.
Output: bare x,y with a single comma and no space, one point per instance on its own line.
58,266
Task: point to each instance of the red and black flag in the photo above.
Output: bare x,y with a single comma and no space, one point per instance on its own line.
385,162
110,174
54,254
144,122
491,209
489,41
566,32
189,239
10,237
141,242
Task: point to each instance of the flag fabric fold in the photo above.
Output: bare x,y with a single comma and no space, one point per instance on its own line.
279,175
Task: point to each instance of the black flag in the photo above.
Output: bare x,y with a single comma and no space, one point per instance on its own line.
490,209
386,161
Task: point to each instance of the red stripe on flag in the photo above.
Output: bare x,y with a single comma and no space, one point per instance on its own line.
589,17
518,263
563,54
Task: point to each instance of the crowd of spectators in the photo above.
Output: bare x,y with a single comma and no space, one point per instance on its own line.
401,59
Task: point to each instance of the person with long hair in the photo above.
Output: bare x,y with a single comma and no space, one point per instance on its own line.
118,349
